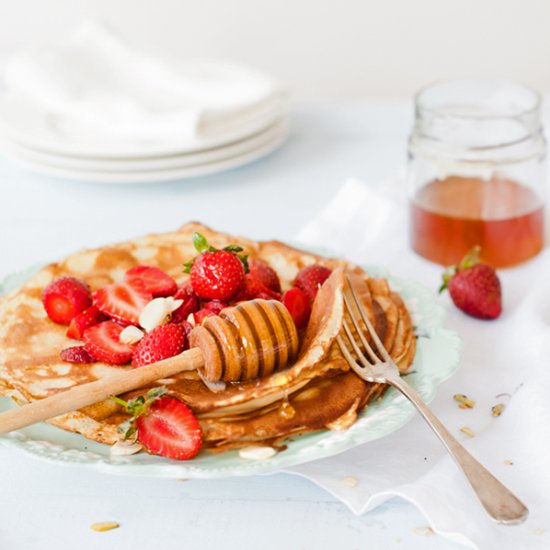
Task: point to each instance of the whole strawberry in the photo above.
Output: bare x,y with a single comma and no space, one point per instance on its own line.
163,342
216,274
474,287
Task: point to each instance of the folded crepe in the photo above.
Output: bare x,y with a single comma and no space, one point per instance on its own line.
319,391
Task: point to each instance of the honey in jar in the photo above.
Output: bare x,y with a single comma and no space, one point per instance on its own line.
450,216
477,159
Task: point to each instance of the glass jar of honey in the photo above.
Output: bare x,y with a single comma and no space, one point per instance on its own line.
477,159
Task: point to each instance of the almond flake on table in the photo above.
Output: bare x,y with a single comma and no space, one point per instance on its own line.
104,526
349,481
467,431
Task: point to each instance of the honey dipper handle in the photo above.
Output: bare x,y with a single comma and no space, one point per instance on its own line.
93,392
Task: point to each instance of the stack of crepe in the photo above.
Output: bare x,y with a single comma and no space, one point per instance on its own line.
318,392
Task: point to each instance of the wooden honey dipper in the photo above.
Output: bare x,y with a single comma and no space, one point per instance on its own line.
246,341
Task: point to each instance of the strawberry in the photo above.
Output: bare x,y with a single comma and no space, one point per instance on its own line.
311,278
163,342
66,297
164,425
264,274
102,342
252,288
86,319
298,305
191,303
77,354
187,328
123,301
209,309
474,287
170,429
158,283
216,274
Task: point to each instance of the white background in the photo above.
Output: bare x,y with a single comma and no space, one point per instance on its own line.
322,49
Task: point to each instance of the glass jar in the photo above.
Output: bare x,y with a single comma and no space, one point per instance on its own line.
476,176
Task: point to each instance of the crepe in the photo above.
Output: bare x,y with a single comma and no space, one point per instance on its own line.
318,391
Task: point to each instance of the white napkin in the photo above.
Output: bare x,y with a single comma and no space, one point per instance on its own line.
506,356
95,80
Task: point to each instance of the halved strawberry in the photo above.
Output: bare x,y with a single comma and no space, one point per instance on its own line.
170,429
163,342
297,303
209,309
64,298
311,278
191,303
123,301
102,342
77,354
265,274
86,319
158,283
252,288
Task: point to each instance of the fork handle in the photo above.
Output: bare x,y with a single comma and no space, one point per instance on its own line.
501,504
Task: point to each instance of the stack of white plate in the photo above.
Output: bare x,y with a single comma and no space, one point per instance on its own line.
48,143
92,107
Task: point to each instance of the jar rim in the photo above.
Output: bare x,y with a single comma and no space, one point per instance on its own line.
466,86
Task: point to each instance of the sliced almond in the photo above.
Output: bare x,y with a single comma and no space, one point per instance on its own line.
465,403
131,335
154,314
104,526
257,452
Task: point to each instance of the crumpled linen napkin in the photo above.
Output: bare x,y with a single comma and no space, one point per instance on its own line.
504,361
96,80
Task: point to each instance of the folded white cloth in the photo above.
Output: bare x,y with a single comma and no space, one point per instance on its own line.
504,361
97,81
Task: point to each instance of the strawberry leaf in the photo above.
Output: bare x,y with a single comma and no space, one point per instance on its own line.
200,242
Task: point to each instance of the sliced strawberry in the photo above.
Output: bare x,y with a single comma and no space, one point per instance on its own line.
265,274
191,303
170,429
187,328
86,319
252,288
163,342
311,278
156,282
102,342
209,309
298,305
77,354
123,301
64,298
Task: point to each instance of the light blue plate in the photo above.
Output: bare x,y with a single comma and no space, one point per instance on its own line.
437,357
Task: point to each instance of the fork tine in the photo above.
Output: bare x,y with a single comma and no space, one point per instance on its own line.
373,357
362,359
347,354
367,322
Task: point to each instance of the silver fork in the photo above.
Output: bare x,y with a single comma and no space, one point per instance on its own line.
499,502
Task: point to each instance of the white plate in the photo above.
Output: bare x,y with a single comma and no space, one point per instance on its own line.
55,166
150,164
29,125
437,357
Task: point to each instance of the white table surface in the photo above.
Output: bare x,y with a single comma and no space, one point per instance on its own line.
46,506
